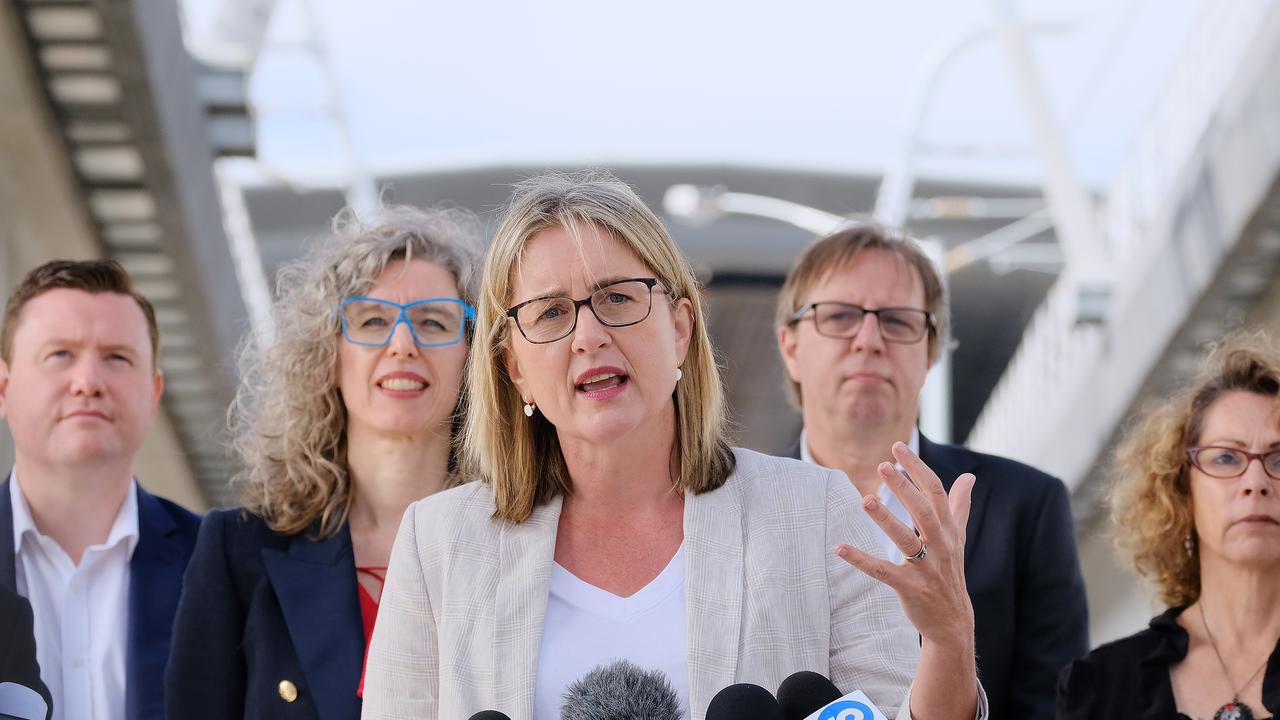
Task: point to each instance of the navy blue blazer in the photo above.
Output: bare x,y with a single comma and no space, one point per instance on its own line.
1023,575
260,608
18,645
166,536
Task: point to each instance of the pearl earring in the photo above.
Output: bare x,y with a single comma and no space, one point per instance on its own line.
679,374
528,409
1190,546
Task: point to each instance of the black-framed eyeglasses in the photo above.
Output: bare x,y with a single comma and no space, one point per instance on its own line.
435,322
844,320
1226,462
618,304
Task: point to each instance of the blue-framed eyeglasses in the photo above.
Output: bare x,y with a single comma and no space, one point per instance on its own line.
435,322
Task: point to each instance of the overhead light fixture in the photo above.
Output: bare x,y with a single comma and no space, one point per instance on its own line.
183,364
132,234
114,205
158,289
50,24
140,264
171,316
184,386
122,162
98,131
175,340
85,89
64,57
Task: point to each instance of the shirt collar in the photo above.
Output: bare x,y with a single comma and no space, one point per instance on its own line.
807,456
124,529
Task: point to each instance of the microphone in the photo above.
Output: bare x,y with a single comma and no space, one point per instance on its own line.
803,693
744,701
489,715
21,702
809,696
621,691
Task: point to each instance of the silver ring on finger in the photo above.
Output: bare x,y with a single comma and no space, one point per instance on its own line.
920,555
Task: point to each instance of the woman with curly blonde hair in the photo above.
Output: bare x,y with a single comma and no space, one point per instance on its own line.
346,416
1200,519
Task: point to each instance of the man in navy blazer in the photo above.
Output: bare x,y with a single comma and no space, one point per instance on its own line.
100,559
861,318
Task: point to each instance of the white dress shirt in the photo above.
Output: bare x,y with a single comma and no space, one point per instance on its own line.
81,612
891,501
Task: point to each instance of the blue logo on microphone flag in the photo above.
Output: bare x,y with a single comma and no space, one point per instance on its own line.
854,706
847,710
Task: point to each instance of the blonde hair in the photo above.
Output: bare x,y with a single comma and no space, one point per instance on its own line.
838,251
288,422
521,457
1151,511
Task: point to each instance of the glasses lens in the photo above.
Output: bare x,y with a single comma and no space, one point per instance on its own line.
369,322
1221,462
622,303
902,325
437,322
838,319
546,319
1271,462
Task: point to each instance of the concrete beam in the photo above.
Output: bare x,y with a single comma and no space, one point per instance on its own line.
43,217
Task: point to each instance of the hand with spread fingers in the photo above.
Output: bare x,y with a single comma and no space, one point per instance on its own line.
930,583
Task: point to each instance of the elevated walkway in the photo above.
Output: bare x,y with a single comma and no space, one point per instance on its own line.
1192,225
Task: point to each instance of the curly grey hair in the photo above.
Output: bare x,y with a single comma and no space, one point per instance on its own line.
288,422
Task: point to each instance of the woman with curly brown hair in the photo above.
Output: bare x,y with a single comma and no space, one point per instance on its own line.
1200,519
343,418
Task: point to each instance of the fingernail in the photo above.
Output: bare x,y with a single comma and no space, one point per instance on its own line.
842,551
870,502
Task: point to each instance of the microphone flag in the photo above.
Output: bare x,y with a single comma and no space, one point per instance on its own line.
854,706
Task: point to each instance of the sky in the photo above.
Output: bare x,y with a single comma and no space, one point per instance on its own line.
389,86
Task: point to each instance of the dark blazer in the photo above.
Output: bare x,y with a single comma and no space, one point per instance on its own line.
166,535
261,608
1023,576
18,645
1129,678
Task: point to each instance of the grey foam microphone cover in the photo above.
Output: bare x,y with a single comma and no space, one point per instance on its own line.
621,691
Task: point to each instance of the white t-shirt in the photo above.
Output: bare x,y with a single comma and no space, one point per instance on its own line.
587,627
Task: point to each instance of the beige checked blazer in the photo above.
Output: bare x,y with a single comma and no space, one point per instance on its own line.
461,615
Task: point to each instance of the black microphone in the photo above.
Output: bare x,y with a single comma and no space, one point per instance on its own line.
804,693
744,701
490,715
621,691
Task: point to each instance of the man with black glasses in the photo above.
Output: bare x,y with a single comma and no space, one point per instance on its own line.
861,318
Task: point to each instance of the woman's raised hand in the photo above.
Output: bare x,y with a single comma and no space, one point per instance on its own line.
930,584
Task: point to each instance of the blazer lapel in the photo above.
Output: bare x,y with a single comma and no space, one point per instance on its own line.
155,582
526,552
950,463
8,568
714,580
315,582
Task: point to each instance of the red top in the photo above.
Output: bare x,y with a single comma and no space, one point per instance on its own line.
368,614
